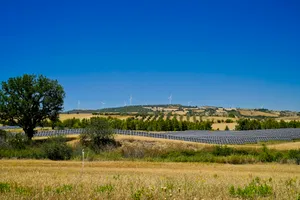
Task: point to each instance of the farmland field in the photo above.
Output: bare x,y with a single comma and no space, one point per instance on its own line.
32,179
87,116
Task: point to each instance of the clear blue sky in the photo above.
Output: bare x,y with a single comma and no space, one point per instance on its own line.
242,53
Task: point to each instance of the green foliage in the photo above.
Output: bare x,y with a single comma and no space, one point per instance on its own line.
222,151
108,188
266,155
23,190
295,155
29,153
56,148
4,187
255,124
18,141
28,100
137,195
228,121
256,188
98,134
3,138
64,188
231,115
226,128
146,123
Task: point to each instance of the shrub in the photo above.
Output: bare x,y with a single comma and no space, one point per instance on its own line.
222,151
255,189
226,128
18,141
295,155
3,138
231,115
64,188
108,188
266,155
228,121
56,148
98,134
4,187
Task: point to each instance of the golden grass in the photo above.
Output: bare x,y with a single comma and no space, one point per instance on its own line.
221,126
88,116
288,119
257,113
279,146
32,179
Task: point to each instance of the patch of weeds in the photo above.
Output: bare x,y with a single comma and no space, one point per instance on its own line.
295,155
23,190
137,195
222,151
64,188
290,182
108,188
255,189
116,177
48,189
4,187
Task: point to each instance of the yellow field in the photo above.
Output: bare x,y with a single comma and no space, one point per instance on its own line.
31,179
221,126
257,113
87,116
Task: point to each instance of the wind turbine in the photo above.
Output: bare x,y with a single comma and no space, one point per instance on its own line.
102,104
130,99
189,103
78,105
170,99
125,104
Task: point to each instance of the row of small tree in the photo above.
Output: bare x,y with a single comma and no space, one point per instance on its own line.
255,124
156,124
159,124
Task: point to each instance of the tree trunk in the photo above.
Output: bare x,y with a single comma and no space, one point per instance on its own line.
29,132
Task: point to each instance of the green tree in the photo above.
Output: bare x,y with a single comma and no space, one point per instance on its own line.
226,128
28,100
97,134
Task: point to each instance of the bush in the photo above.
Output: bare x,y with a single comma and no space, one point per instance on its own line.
56,148
295,155
266,155
222,151
18,141
3,138
4,187
98,134
254,190
228,121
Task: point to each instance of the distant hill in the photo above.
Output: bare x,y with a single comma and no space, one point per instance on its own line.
192,110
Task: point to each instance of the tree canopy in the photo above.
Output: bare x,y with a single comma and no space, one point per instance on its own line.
27,100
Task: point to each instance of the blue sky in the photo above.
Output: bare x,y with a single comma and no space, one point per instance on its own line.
225,53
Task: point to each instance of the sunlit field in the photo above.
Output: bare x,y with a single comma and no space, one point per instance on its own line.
32,179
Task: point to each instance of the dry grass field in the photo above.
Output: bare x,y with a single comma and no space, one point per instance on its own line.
279,146
87,116
32,179
257,113
221,126
163,142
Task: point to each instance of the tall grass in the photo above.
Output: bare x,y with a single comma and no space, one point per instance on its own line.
146,180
